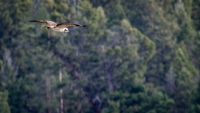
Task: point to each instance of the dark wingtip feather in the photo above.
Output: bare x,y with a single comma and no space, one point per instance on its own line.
80,25
40,21
31,21
34,21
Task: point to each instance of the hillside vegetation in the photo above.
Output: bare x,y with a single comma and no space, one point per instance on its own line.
134,56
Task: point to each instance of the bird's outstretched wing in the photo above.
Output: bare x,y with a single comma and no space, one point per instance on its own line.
51,23
39,21
64,25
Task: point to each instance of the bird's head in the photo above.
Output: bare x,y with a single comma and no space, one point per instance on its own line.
65,30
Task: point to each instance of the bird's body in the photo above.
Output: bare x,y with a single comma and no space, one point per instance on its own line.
61,27
57,29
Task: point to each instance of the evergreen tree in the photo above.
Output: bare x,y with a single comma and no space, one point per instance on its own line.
134,56
4,106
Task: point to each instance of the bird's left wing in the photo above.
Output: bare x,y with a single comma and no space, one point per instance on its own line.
64,25
39,21
51,23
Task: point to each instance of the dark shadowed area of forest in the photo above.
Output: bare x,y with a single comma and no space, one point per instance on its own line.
133,56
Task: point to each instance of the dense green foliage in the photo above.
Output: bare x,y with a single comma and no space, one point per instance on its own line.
4,107
134,56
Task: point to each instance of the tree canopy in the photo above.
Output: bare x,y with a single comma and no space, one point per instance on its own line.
135,56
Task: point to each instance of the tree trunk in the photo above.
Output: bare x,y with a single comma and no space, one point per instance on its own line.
48,100
61,93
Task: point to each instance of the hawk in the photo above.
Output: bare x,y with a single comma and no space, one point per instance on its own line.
59,27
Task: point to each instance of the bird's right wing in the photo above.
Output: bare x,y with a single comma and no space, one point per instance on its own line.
64,25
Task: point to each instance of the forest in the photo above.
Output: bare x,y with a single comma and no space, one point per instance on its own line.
133,56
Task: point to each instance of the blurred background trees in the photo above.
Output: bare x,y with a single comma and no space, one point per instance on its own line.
136,56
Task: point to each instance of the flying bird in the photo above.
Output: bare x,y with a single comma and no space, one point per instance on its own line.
59,27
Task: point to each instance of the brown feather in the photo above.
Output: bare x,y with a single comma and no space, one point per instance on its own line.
39,21
63,25
51,23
